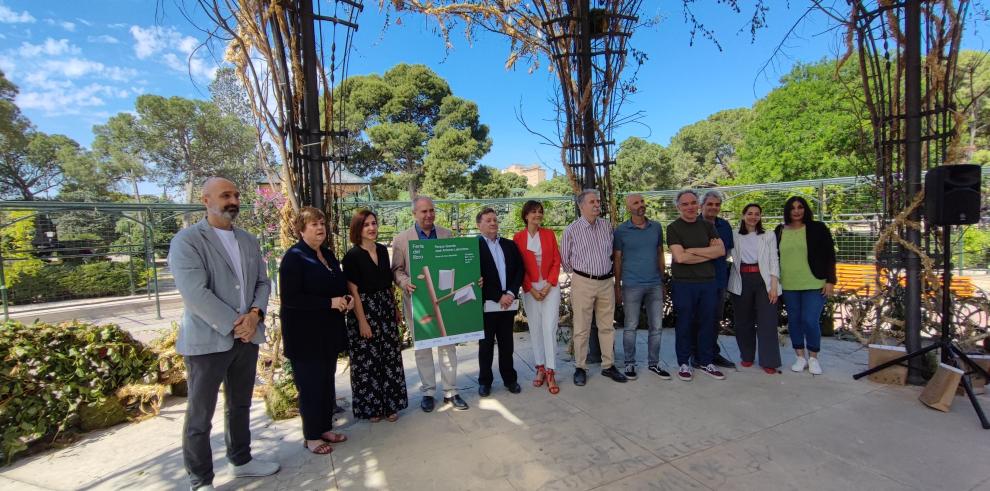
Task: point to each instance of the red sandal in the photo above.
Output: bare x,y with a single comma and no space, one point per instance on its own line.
333,437
321,449
552,382
541,376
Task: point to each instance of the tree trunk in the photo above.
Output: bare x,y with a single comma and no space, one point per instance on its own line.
186,219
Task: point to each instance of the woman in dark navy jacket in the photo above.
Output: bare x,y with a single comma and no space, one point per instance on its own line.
314,299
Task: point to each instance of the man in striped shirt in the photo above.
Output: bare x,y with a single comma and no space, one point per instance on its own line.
586,251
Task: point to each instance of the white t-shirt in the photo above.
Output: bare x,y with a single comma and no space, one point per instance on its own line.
229,242
749,248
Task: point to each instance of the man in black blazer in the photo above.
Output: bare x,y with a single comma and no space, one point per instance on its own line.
502,275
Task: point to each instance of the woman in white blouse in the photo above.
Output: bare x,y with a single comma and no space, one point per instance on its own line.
755,284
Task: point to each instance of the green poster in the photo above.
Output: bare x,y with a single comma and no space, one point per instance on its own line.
447,303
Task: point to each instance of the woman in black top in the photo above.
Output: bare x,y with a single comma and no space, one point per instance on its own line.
314,299
378,382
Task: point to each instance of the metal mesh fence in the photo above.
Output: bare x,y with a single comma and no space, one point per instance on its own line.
54,251
850,206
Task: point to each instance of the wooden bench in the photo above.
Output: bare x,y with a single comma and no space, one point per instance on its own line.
860,279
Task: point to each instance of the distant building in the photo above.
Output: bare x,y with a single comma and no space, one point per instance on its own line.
348,184
534,174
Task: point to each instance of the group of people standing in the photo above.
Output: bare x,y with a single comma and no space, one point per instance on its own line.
329,306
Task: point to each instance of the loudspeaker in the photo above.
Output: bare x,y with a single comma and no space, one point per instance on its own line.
952,194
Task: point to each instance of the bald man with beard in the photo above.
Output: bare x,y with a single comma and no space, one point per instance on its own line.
220,273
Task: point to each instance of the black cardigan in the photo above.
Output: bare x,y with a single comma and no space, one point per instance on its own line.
821,250
310,328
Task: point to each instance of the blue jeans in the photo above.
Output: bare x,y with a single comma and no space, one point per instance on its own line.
804,312
695,302
632,298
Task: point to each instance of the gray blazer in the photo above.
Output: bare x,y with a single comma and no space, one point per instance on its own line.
210,291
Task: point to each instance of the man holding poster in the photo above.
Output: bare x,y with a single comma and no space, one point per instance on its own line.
502,270
424,229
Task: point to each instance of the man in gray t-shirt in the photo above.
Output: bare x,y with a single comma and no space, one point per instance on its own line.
639,264
694,244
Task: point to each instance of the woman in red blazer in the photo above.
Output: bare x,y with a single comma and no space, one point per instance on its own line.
541,297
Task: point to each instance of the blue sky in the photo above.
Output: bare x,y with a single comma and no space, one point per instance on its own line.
79,62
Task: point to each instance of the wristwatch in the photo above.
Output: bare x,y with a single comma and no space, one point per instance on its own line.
261,313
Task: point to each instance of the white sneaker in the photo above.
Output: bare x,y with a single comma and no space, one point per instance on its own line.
814,367
799,364
255,468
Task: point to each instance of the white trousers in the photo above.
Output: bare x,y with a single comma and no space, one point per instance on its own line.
543,317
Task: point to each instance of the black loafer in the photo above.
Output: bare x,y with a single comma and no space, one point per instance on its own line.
514,387
721,361
614,374
426,404
580,377
458,403
484,390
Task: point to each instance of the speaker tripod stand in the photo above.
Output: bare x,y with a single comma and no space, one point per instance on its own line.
951,353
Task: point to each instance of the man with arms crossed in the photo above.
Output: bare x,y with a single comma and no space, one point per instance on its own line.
221,276
694,245
424,228
639,266
586,251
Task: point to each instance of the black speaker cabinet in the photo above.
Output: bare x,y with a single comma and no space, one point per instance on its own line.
952,194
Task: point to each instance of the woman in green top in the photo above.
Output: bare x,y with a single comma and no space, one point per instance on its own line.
807,276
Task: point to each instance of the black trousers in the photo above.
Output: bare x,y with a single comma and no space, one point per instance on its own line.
498,329
235,369
756,322
719,313
314,380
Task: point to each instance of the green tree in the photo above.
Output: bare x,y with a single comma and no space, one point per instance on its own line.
190,140
644,166
557,185
706,150
973,99
116,159
458,143
30,161
408,121
489,182
810,127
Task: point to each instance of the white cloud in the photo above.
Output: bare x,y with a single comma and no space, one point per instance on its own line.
195,66
149,41
103,38
176,50
64,24
8,16
84,22
56,79
73,68
50,47
63,102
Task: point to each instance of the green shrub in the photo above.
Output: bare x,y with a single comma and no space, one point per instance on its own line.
35,281
48,371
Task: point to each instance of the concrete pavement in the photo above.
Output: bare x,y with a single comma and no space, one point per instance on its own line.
751,431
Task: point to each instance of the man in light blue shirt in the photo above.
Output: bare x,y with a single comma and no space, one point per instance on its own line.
639,265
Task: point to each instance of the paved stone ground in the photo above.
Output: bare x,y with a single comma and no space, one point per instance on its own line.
751,431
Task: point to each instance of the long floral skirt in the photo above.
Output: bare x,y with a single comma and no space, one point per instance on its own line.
378,381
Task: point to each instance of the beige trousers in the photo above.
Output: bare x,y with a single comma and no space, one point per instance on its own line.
596,296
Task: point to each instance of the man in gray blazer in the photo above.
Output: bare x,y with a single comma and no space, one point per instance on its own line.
221,276
424,228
